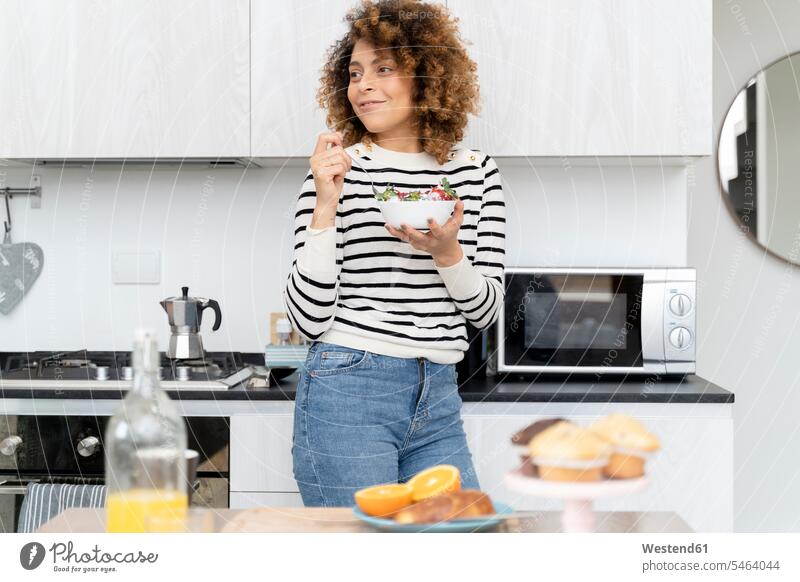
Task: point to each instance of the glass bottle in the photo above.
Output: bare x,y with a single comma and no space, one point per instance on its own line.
284,330
145,446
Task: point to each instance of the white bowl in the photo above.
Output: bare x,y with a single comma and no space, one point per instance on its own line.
416,213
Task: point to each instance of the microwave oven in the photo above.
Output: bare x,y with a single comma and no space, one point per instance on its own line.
597,321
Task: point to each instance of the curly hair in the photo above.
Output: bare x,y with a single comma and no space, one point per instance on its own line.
430,48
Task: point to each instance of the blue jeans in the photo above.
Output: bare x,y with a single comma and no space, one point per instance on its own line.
363,419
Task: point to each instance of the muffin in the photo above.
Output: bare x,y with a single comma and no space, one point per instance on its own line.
522,438
567,452
632,445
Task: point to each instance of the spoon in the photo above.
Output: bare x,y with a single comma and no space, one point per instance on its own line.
374,189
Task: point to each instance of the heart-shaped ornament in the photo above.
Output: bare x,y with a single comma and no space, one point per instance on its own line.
20,266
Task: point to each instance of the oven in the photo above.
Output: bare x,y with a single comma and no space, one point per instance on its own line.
69,449
598,321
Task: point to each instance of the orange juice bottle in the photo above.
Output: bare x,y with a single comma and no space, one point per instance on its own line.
145,447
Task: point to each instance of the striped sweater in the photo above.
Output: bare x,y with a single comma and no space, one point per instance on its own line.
356,285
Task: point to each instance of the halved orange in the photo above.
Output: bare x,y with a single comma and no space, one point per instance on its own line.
384,500
435,481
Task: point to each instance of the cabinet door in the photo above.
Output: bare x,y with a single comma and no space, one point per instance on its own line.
261,453
289,42
584,78
120,79
289,45
692,473
247,500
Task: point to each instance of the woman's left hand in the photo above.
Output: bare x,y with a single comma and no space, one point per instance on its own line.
441,241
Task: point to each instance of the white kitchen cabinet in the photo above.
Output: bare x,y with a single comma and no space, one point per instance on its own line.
289,44
238,78
691,475
119,79
590,78
248,499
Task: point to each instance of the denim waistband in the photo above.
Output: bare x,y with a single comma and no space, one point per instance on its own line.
317,345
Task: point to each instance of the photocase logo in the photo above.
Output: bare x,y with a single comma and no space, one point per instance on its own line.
31,555
67,558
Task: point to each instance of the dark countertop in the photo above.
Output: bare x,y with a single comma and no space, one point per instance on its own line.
690,389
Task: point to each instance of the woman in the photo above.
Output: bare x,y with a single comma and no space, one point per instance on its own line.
387,308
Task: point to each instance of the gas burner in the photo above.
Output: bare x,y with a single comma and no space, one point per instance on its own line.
185,370
195,364
67,364
81,368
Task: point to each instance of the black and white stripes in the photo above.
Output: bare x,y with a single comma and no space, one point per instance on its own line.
357,285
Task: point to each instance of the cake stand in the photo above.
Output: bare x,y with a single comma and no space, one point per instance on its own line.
578,515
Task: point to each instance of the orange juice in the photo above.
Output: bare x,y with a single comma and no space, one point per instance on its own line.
126,510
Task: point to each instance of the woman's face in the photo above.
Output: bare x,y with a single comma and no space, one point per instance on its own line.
375,77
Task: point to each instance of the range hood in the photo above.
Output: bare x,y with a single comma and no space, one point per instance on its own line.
160,163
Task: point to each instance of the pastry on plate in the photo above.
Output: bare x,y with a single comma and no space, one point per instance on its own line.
522,438
632,445
567,452
464,504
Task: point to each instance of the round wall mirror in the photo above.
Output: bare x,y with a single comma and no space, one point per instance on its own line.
758,158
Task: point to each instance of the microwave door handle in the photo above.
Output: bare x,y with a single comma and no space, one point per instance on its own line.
651,320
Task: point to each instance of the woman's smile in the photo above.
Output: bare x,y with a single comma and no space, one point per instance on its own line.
370,105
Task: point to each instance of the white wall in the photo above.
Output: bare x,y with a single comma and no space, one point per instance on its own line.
227,234
221,232
748,316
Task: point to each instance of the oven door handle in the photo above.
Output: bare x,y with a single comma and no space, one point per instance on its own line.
15,486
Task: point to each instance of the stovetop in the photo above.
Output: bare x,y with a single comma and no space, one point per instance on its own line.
107,369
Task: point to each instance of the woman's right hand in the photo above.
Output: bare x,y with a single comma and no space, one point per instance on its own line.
328,166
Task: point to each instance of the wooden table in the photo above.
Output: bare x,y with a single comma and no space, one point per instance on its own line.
341,520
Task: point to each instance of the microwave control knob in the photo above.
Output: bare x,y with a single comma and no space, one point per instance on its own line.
88,446
680,337
680,304
9,445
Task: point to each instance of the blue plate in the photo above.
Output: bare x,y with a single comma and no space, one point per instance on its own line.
456,526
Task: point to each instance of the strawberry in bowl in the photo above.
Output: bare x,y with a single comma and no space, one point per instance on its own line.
415,207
